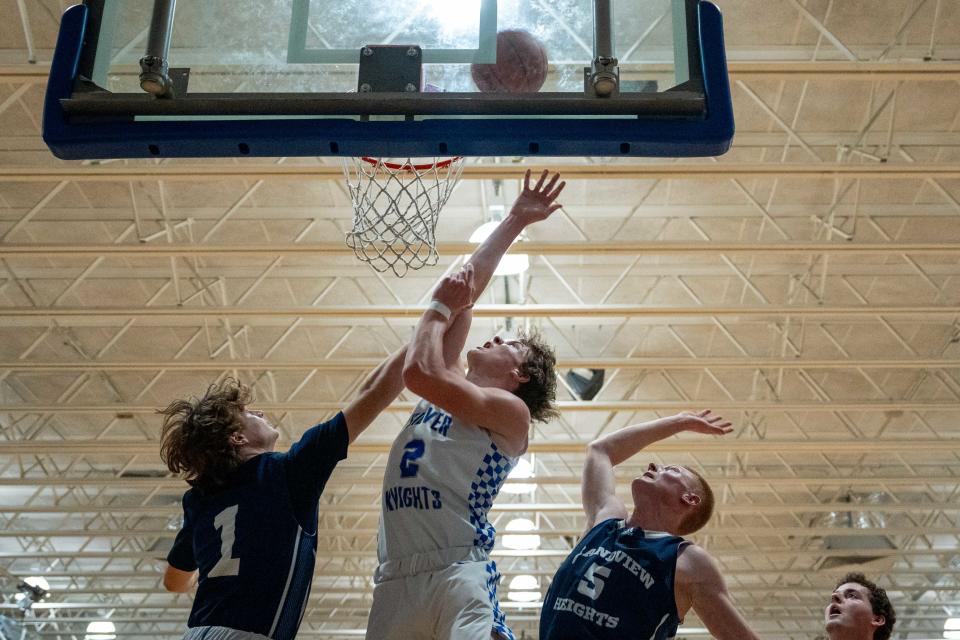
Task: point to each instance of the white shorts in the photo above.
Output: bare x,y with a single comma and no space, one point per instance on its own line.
458,602
220,633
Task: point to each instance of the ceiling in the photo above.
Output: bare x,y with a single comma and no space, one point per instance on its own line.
805,285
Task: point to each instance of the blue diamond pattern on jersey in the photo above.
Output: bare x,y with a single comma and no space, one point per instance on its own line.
484,488
499,620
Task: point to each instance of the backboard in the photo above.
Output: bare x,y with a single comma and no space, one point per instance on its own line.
362,77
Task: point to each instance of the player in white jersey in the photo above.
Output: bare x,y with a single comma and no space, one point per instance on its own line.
436,579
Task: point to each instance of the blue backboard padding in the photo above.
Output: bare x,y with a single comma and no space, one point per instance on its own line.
663,137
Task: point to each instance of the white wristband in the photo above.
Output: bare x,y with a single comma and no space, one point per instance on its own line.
440,308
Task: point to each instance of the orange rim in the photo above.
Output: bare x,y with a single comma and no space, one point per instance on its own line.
443,164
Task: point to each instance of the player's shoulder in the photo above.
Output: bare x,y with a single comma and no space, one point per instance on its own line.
694,564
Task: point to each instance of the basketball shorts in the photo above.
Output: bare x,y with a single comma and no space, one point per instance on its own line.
455,602
220,633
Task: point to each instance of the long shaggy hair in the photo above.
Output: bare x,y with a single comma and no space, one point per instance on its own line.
195,437
540,391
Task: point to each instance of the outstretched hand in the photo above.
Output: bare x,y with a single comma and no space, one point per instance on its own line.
705,422
537,203
456,291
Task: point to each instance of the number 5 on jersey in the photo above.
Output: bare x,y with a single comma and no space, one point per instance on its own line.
226,523
591,585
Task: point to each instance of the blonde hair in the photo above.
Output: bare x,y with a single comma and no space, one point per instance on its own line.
699,517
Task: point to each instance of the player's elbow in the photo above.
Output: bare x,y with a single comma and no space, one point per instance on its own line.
418,378
430,384
596,448
177,581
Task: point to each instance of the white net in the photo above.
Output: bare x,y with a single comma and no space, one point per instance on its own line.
395,209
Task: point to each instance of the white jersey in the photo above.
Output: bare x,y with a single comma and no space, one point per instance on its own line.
441,479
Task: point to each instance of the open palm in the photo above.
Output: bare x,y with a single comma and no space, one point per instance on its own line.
705,422
538,202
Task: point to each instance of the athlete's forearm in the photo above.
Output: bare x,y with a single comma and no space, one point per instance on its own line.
387,378
624,443
425,354
486,258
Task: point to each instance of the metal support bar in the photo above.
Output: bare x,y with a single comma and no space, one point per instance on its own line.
27,31
154,66
603,79
101,447
641,363
652,171
623,249
688,104
777,70
483,311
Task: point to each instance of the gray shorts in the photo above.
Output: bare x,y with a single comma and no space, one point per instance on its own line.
220,633
458,602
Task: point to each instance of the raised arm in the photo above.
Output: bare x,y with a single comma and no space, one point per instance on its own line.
380,388
598,484
426,374
532,205
700,584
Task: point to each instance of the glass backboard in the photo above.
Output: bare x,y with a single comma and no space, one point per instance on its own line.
254,71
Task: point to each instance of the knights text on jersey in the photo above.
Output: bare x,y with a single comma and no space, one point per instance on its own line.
255,543
441,479
617,584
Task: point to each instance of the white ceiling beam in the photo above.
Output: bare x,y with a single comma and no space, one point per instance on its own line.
485,311
363,364
199,173
674,446
273,250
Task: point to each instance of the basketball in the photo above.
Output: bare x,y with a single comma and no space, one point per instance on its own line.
521,65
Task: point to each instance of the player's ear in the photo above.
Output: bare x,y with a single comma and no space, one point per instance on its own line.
518,377
878,621
691,499
237,439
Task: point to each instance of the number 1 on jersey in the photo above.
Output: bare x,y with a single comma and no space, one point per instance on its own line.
412,451
226,523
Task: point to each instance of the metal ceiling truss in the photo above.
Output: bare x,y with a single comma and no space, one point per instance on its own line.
806,285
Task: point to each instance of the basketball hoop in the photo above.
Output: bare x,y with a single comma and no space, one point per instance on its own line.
395,209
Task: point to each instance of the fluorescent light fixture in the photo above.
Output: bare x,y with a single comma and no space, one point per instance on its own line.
523,542
38,581
511,264
523,471
523,596
951,624
101,630
524,582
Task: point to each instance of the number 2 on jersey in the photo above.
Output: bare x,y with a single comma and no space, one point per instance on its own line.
412,451
226,523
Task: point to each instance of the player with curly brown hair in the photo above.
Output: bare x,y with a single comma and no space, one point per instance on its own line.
249,535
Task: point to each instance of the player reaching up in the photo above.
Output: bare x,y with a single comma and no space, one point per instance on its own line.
436,578
632,575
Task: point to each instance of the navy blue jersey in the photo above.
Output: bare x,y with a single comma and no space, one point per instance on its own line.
616,584
255,542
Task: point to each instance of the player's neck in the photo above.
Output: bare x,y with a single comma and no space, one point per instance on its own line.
850,634
482,380
246,453
649,519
